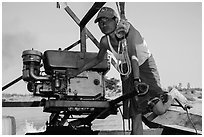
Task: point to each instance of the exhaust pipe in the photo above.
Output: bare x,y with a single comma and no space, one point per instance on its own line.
35,77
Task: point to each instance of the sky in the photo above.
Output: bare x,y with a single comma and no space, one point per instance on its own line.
172,30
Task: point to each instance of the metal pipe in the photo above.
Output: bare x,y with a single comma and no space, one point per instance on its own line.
32,74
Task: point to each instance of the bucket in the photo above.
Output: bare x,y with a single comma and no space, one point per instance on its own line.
8,125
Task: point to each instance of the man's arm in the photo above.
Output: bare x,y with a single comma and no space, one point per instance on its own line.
135,67
93,62
134,39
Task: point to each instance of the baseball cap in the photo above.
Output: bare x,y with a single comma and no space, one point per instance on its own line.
105,12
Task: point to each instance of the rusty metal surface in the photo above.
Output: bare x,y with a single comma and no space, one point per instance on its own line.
81,104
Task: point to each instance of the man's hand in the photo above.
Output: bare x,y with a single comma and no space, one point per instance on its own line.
71,73
141,88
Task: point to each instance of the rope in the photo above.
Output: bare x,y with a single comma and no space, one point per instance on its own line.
122,46
185,108
121,9
118,8
122,57
126,60
191,120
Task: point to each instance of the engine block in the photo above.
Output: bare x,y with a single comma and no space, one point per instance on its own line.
52,80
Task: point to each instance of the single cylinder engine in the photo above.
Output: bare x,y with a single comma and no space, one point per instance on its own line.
53,82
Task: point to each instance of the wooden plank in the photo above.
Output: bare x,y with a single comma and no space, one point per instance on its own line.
22,104
11,83
83,39
183,128
76,19
73,45
94,9
80,104
157,131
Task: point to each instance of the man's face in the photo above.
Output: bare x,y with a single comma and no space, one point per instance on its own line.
107,25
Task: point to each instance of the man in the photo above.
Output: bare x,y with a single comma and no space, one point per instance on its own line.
143,69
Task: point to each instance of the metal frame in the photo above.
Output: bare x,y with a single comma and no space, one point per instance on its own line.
84,32
82,24
103,108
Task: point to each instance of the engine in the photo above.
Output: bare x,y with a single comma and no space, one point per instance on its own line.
45,74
